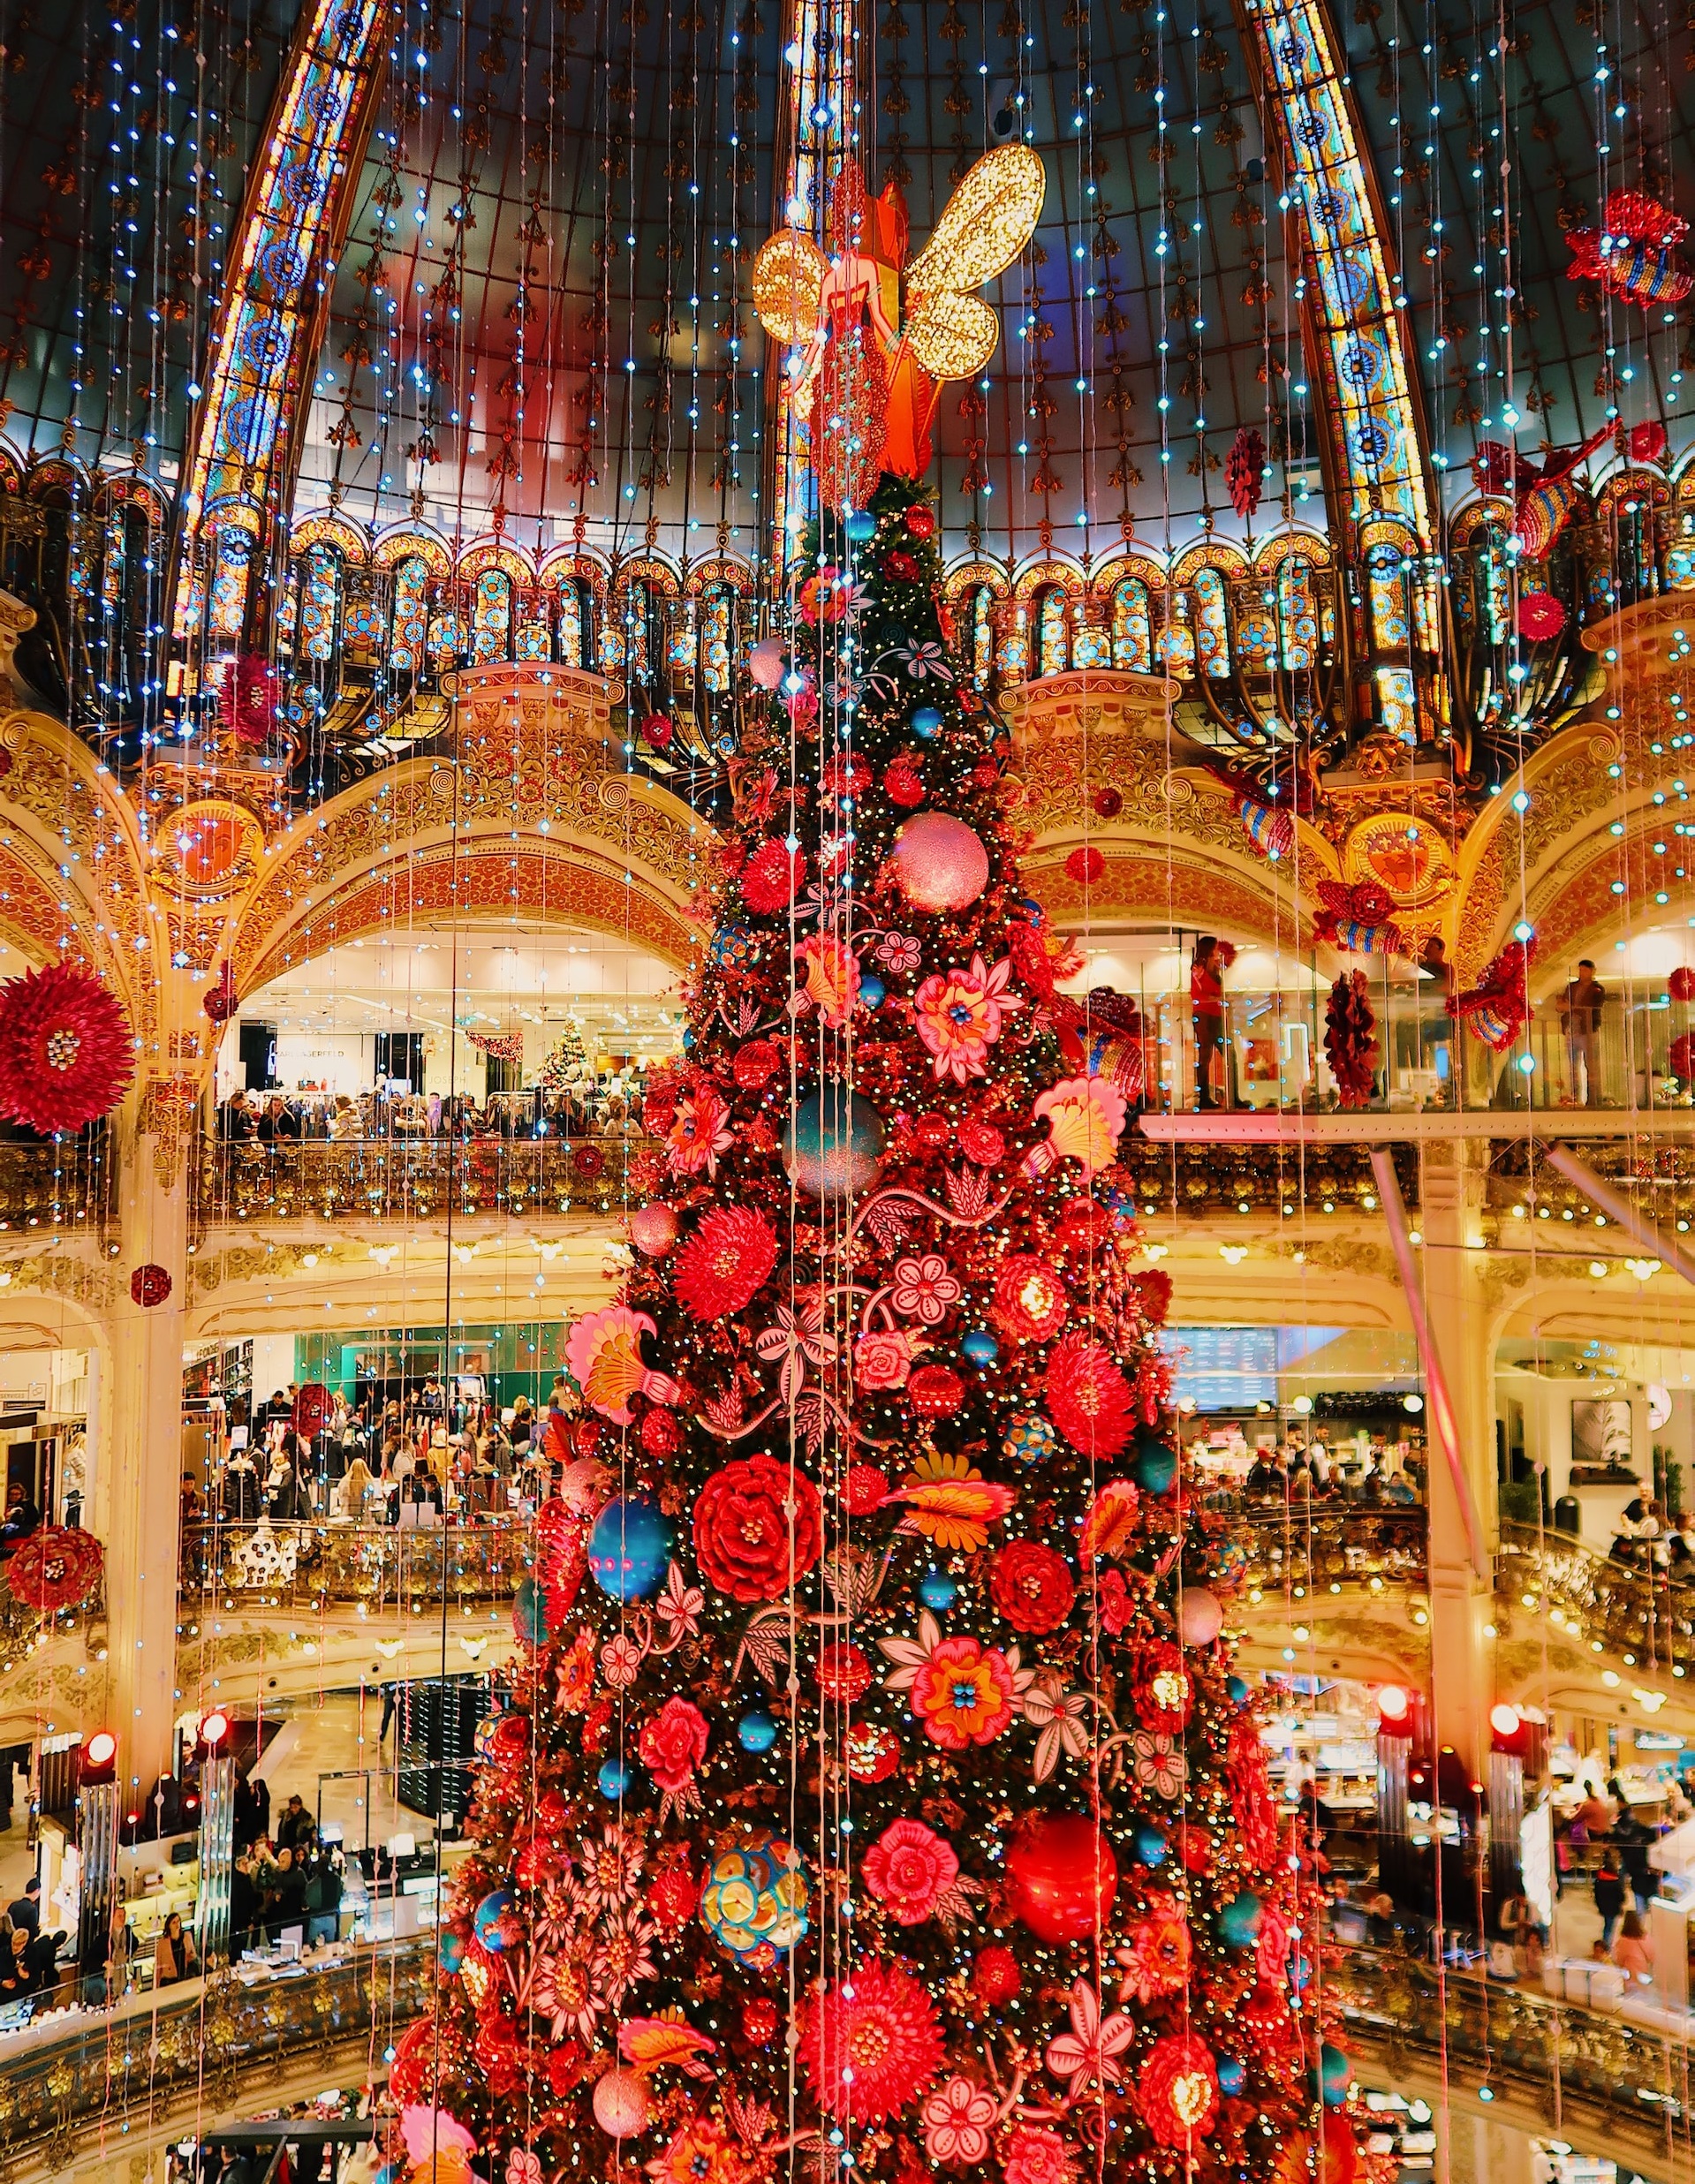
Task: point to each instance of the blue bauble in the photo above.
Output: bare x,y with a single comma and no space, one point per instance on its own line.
1238,1922
1030,1439
733,946
1238,1690
530,1613
614,1780
449,1949
1157,1463
758,1733
486,1919
629,1548
1232,2075
1149,1843
834,1146
937,1591
927,722
860,523
872,990
980,1347
1335,2070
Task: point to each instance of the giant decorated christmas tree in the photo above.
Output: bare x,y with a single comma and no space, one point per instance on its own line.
877,1796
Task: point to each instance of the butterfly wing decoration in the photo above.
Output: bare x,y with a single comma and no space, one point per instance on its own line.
984,225
788,280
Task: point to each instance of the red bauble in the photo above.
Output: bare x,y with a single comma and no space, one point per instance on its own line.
721,1266
66,1053
844,1673
1085,866
657,730
661,1434
872,1752
149,1285
935,1392
920,521
1681,984
1541,617
1107,803
1061,1877
54,1568
749,1544
864,1489
996,1977
761,2021
1682,1055
756,1064
904,784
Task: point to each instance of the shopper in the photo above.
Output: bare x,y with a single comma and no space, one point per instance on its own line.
1610,1895
1580,1010
1633,1951
1206,1010
174,1955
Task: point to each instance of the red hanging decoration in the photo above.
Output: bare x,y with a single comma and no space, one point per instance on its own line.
1359,919
1497,1007
66,1052
1541,617
1634,255
221,1001
1681,984
1351,1038
1244,471
55,1567
149,1285
256,698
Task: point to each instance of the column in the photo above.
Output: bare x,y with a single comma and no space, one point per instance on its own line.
1462,1599
138,1469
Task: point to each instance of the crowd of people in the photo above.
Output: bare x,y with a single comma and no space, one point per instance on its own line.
1391,1475
284,1877
281,1118
29,1952
409,1463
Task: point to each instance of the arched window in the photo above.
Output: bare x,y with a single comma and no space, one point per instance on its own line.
573,625
321,590
714,638
1133,632
492,625
982,636
1178,638
1055,656
535,639
409,621
1212,624
231,558
1015,647
1091,646
682,643
1386,580
1296,620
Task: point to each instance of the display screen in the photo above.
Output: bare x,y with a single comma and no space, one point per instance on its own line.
1223,1368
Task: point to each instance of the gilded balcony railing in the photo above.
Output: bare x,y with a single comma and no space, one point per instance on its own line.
205,2042
307,1564
1312,1545
1641,1610
402,1178
22,1629
54,1188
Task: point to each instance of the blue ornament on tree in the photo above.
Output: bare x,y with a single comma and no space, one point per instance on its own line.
1232,2075
629,1548
1157,1463
860,523
1335,2070
614,1780
980,1347
1149,1843
1238,1922
732,947
1238,1690
530,1613
927,722
1030,1439
450,1947
872,990
834,1146
758,1733
487,1917
937,1591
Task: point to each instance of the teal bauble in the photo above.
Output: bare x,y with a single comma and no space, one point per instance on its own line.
754,1902
1155,1463
1335,2068
1031,1438
1149,1843
937,1591
1238,1922
629,1548
860,523
980,1347
834,1146
613,1780
530,1613
757,1732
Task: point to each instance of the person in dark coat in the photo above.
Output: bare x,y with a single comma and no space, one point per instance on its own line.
1610,1895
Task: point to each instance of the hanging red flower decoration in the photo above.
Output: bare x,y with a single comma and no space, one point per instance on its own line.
904,784
1032,1586
1178,2089
1541,617
149,1285
673,1744
1154,1289
1163,1689
256,698
221,1001
871,2045
996,1977
721,1266
771,875
1681,1054
1351,1038
1031,1300
750,1544
900,568
1107,803
66,1052
1085,866
55,1567
588,1161
1681,984
1244,470
1088,1397
864,1489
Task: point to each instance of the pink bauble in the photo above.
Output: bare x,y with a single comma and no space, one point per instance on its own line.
1063,1877
621,2104
652,1230
1202,1616
940,862
765,661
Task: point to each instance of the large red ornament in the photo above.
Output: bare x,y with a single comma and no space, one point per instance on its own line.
1178,2089
1634,253
725,1262
255,698
221,1001
66,1053
1681,984
312,1409
55,1567
748,1543
1061,1877
1244,470
149,1285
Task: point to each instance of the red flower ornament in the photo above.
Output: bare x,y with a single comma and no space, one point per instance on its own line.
66,1052
149,1285
724,1263
55,1567
758,1529
1178,2089
1088,1397
1032,1586
673,1743
871,2045
909,1869
770,876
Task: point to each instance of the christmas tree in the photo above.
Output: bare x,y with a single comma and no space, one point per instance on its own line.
877,1796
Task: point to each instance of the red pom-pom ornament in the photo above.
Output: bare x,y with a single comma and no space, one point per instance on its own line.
1085,866
1541,617
1681,984
920,521
149,1285
66,1053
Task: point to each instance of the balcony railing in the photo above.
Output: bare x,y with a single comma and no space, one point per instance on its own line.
56,1188
1641,1611
1314,1547
205,2042
264,1565
414,1178
22,1629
